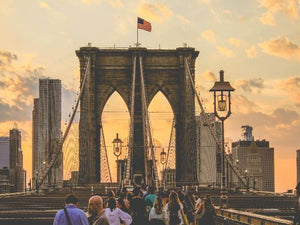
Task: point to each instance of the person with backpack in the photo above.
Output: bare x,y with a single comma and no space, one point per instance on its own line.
71,215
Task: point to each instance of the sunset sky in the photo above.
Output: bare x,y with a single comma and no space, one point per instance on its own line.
256,43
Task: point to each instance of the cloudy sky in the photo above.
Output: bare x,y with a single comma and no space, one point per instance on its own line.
256,43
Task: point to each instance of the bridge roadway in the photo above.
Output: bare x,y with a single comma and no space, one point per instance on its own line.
244,208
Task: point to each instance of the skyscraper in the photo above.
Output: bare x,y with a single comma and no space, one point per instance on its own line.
208,153
47,131
15,150
247,132
257,160
17,173
298,165
35,132
4,152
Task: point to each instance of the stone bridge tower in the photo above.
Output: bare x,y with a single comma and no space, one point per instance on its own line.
112,70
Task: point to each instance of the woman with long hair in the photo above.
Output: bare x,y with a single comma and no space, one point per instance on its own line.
138,211
206,212
158,214
115,215
174,210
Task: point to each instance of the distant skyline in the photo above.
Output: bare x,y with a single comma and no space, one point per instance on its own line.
256,43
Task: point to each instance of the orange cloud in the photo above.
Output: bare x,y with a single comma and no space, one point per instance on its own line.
281,47
249,85
154,12
209,35
289,8
268,19
251,52
18,83
116,3
209,76
241,104
182,18
235,42
292,87
273,5
44,5
225,51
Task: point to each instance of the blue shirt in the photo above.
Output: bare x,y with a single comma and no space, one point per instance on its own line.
77,216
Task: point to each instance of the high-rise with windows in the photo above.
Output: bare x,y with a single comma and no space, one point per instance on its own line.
46,130
17,173
4,152
208,153
256,157
298,165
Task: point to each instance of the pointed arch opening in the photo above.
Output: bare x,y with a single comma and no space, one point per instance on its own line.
115,119
161,119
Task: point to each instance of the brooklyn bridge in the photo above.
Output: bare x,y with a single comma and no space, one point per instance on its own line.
137,74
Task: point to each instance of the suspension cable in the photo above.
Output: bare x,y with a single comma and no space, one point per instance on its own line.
105,155
131,131
147,124
204,115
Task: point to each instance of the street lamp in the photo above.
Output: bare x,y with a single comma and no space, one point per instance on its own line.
117,150
163,161
163,157
117,146
222,110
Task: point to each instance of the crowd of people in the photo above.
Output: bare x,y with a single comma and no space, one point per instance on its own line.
139,208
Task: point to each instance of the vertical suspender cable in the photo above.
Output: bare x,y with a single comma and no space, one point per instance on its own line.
130,145
148,128
105,156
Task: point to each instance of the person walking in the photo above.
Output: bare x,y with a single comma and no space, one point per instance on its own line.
206,212
96,211
149,199
121,205
158,214
138,211
174,209
70,215
116,215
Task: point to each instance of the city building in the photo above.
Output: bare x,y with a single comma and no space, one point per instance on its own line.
17,175
4,152
247,133
256,159
35,152
298,165
208,153
5,185
46,130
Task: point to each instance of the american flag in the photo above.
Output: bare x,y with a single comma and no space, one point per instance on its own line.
143,24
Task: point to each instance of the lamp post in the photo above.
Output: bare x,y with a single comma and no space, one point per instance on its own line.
117,150
247,179
163,161
36,181
222,110
117,146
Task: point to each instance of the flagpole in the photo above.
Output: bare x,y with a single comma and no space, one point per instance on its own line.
137,37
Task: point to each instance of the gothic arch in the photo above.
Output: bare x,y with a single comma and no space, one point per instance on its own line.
163,70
